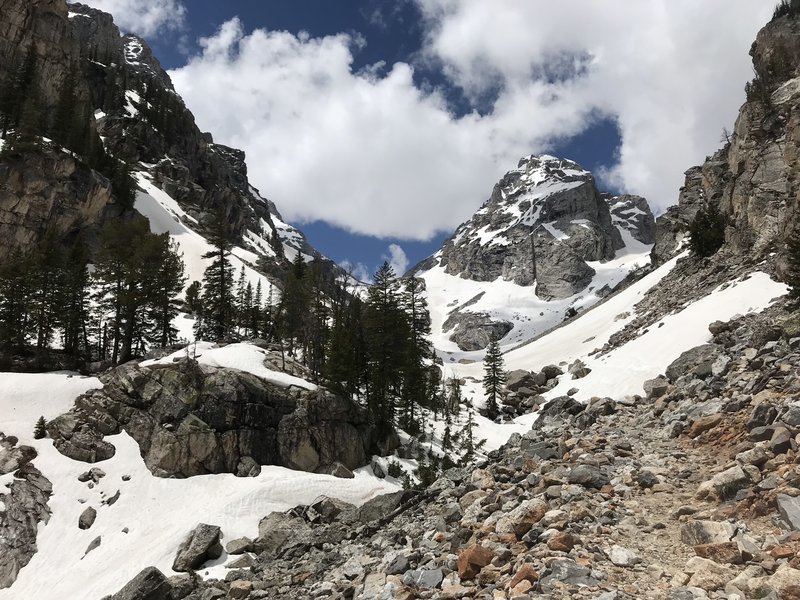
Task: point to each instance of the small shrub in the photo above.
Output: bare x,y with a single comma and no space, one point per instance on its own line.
394,469
707,231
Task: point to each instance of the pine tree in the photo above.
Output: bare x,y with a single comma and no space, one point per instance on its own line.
15,294
345,361
40,430
494,378
384,324
64,117
193,296
316,327
254,318
219,311
294,309
46,282
469,445
418,390
73,299
165,279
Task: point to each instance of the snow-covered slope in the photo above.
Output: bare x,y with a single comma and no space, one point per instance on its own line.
622,371
152,516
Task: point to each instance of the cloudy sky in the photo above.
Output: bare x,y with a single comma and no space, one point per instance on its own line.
378,126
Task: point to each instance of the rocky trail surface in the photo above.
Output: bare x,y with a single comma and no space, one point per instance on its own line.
689,491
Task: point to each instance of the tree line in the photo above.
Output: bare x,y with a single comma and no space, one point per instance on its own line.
50,298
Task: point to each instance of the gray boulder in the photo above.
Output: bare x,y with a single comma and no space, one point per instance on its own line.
200,546
789,509
190,419
518,379
86,520
566,572
474,331
655,388
697,362
149,584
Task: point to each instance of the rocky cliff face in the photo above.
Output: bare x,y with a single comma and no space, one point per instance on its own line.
145,124
753,178
24,505
50,191
543,222
190,419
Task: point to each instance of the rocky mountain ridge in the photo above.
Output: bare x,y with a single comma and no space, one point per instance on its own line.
549,235
123,95
543,222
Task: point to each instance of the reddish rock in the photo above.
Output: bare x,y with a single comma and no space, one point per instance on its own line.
704,424
562,542
525,573
472,560
727,552
782,552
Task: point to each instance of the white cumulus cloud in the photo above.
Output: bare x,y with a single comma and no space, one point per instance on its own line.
143,17
397,259
373,153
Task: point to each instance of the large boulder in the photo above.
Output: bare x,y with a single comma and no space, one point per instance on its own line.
324,430
474,331
149,584
695,362
192,419
202,544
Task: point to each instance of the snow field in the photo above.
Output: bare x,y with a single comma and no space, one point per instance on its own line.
623,371
242,356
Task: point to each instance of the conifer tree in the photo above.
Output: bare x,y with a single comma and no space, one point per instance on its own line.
74,293
494,378
294,309
384,324
15,292
219,311
345,364
118,274
165,279
193,296
45,278
470,446
40,430
256,308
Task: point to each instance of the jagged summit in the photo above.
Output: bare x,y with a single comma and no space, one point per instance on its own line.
546,241
543,222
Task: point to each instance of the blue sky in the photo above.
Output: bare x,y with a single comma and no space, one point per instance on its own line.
375,122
